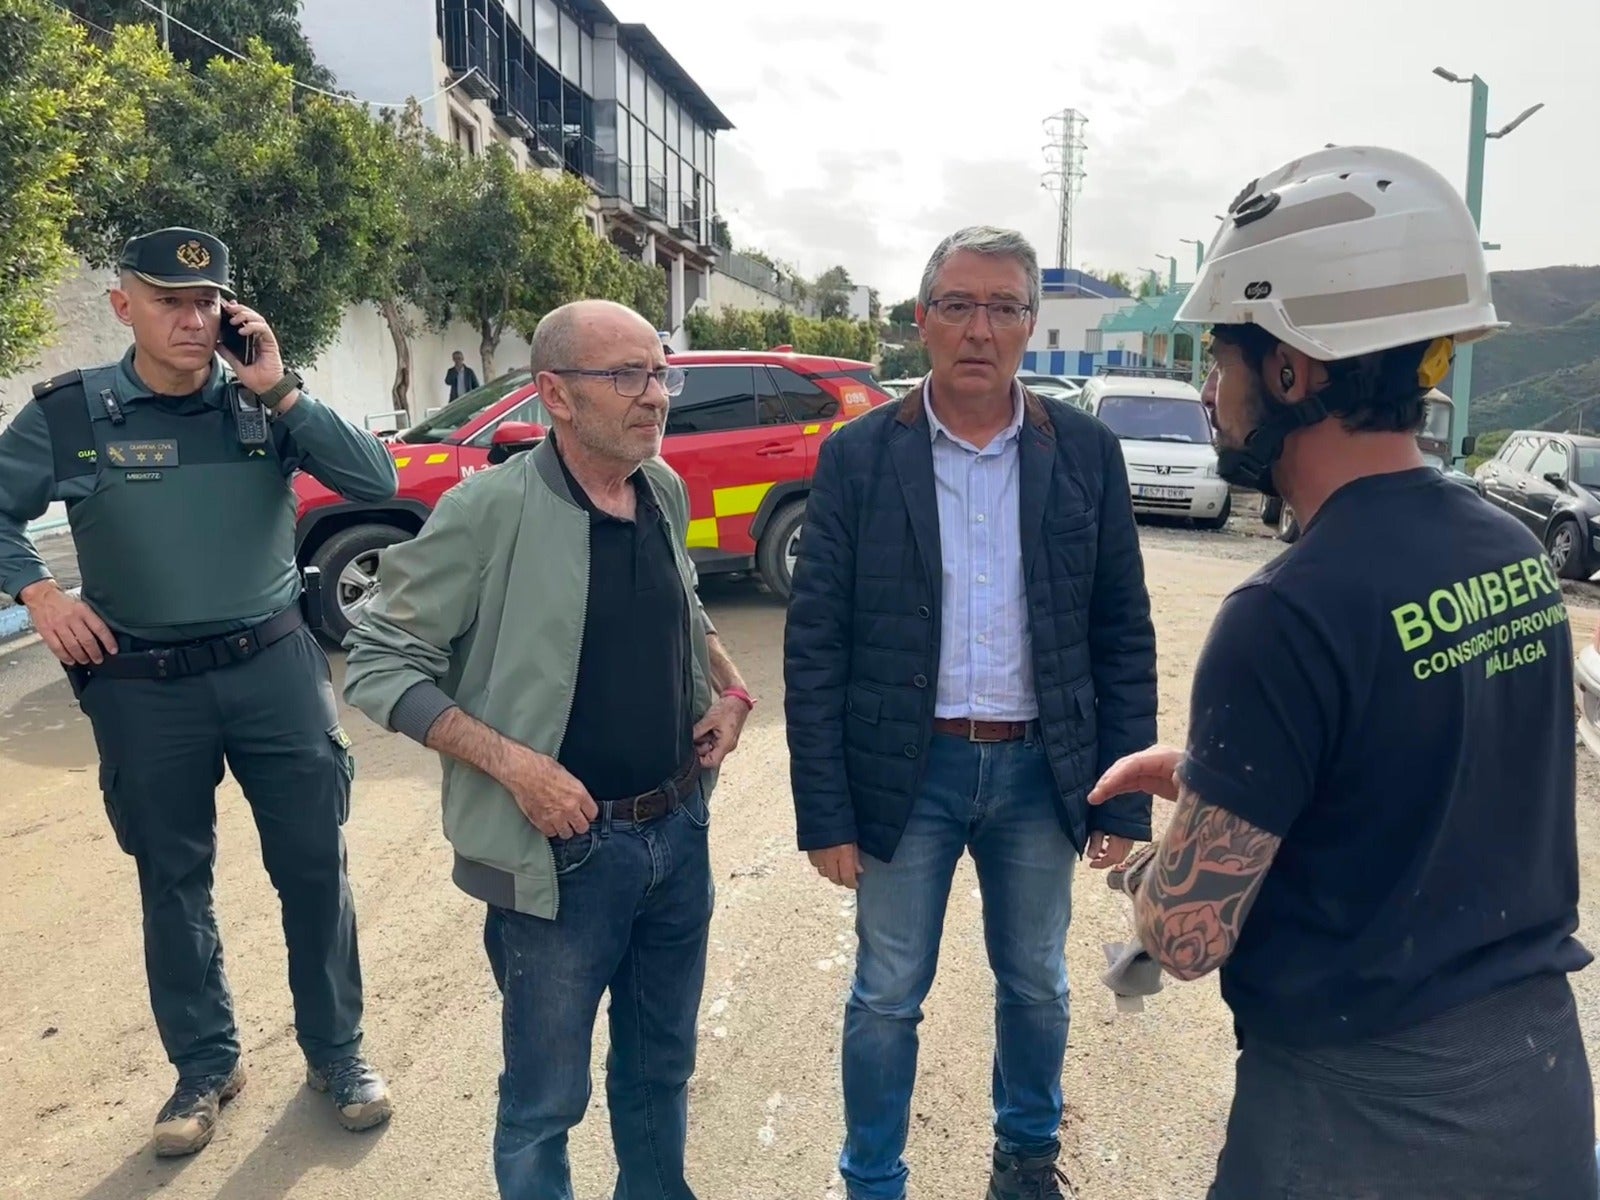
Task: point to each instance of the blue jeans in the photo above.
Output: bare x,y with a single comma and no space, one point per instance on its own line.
635,912
997,800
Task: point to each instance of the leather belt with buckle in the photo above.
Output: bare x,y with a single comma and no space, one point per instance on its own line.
982,731
657,802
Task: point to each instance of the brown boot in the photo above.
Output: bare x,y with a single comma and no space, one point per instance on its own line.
187,1121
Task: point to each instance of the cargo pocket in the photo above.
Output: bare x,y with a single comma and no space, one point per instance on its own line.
346,767
114,813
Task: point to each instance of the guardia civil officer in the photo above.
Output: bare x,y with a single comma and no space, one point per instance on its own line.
189,651
1375,837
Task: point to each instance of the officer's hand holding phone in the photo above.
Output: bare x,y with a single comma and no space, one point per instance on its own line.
248,345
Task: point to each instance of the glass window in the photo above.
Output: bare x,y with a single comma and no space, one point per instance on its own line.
636,154
520,12
546,30
656,108
569,48
1519,452
1552,460
1589,466
1155,419
636,88
769,402
672,123
713,399
806,401
1053,339
460,412
586,60
622,78
656,151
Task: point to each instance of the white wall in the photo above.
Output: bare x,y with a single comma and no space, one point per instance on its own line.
353,375
727,292
1073,317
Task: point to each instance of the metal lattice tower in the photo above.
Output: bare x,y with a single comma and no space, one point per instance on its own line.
1064,173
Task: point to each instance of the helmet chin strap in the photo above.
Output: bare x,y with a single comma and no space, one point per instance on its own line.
1250,465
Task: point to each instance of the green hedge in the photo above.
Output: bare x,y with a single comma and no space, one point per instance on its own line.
764,329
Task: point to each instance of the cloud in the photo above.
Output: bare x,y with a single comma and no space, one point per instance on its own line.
1252,69
1130,43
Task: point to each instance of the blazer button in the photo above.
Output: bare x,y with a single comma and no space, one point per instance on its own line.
911,750
920,681
924,611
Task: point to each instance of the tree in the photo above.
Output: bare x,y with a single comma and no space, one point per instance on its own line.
231,22
833,288
904,362
506,248
1118,279
62,125
615,276
904,313
1151,286
874,306
298,193
720,237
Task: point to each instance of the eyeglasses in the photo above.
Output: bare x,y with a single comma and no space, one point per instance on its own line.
631,382
1003,314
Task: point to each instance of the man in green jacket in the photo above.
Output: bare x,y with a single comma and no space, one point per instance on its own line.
542,633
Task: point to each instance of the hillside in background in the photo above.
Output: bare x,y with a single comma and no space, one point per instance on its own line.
1543,372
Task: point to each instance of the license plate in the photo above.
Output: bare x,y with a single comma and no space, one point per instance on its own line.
1145,492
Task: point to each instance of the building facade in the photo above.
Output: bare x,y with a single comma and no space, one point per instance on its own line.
564,86
1068,339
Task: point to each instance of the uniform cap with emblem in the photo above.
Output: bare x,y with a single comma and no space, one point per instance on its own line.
178,258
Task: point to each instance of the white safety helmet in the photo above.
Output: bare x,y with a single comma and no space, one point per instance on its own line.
1346,252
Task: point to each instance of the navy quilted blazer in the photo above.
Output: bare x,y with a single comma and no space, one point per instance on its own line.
861,649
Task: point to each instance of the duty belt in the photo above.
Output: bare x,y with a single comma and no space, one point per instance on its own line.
657,802
147,661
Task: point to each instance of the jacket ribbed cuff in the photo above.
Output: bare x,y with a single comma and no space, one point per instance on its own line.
415,712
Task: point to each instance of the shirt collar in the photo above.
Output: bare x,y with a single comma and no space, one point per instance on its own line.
936,426
131,388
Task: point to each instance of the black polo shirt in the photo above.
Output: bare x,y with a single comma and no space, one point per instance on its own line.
1393,698
630,728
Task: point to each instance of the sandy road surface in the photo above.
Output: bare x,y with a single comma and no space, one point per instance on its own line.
81,1071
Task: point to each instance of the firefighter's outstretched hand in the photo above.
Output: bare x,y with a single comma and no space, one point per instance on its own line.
1154,770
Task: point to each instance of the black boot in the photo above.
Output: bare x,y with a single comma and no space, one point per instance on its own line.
360,1097
1016,1178
187,1120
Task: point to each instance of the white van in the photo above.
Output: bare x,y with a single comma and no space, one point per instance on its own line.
1166,441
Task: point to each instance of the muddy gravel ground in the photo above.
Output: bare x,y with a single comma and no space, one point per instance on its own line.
81,1071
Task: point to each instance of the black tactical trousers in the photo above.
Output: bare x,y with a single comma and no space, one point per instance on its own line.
163,743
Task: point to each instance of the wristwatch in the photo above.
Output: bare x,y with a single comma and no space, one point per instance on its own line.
274,395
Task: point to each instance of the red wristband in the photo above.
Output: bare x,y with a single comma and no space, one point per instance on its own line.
741,694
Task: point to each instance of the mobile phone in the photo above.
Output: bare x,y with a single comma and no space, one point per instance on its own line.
243,348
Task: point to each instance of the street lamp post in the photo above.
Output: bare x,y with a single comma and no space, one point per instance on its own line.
1478,136
1172,284
1199,253
1194,330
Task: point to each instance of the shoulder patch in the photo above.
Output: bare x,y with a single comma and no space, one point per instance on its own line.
65,379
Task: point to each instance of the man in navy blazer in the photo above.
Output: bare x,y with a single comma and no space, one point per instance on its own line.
969,646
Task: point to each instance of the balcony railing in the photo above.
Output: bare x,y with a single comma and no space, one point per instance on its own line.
473,50
689,221
655,194
605,172
516,106
549,135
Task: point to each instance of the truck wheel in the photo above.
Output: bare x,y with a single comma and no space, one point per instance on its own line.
1271,508
349,564
779,544
1220,521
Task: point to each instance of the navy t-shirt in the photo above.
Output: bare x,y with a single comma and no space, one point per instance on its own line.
1393,697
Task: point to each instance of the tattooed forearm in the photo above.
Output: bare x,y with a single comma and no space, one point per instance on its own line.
1196,895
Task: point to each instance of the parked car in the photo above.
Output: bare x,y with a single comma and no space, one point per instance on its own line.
744,434
1551,483
897,388
1166,441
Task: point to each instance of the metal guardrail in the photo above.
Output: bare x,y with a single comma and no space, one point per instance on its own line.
371,419
755,273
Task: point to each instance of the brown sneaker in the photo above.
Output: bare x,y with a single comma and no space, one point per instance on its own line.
187,1121
360,1097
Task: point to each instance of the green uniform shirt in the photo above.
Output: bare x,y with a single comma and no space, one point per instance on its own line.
181,531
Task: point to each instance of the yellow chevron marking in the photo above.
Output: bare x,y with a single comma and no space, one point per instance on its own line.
739,501
433,460
813,428
838,425
402,462
702,534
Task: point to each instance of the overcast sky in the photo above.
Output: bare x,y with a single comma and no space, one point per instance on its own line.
867,129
